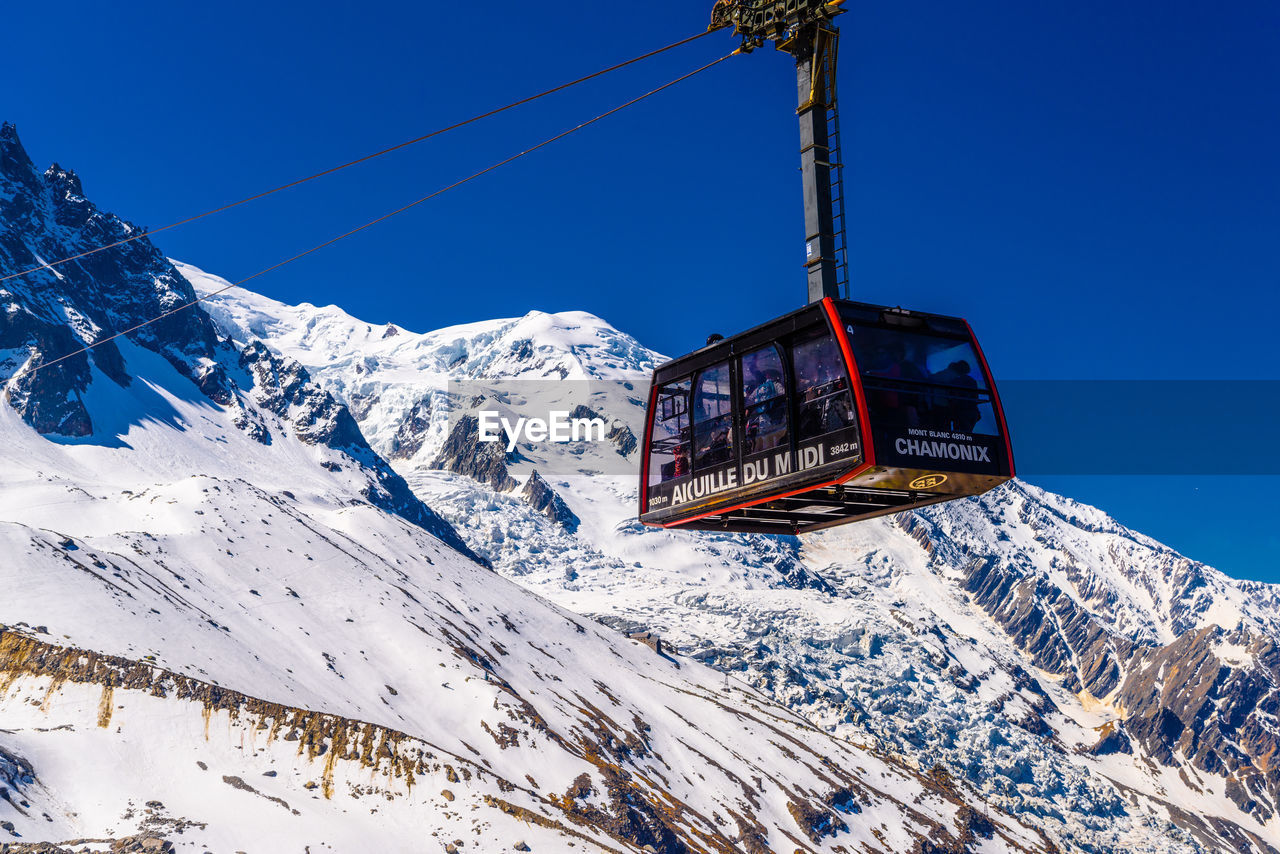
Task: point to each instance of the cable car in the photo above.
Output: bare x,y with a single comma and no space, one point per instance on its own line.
839,411
834,413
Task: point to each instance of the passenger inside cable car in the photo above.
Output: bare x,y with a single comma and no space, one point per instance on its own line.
923,381
821,387
764,401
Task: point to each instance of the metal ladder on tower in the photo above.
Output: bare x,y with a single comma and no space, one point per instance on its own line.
835,158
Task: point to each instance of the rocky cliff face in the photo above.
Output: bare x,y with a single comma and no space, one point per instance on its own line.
48,314
485,462
1186,657
545,500
1189,703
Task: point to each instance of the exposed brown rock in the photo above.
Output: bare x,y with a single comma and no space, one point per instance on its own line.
464,453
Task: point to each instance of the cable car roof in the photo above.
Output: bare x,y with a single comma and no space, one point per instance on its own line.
858,313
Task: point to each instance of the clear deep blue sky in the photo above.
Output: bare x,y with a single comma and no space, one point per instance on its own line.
1094,185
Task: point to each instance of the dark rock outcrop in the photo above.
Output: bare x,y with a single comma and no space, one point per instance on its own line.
16,774
411,432
464,453
621,435
141,844
541,497
284,387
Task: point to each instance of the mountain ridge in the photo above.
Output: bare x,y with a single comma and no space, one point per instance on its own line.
55,333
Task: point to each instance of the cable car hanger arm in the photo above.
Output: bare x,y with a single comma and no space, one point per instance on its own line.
806,30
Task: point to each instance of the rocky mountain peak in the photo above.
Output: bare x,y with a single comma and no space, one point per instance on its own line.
485,462
539,494
9,142
63,181
15,166
56,311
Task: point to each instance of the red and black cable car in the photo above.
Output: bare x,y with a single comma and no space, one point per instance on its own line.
837,412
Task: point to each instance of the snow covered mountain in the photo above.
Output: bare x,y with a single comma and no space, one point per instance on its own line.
1080,675
228,625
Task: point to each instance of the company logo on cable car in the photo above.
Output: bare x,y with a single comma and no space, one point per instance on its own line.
928,481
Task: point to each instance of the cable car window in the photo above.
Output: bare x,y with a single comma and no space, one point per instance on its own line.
669,444
917,357
713,417
923,381
822,389
764,400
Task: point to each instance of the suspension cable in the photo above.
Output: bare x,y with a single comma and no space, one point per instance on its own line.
50,265
370,223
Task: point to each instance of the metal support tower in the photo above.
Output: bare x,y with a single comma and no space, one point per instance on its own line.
804,29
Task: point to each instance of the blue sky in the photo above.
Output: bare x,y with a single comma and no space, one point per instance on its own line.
1093,185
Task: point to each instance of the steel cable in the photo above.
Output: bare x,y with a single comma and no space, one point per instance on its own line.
50,265
370,223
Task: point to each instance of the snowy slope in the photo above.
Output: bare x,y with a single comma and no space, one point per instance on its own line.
1014,638
266,575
